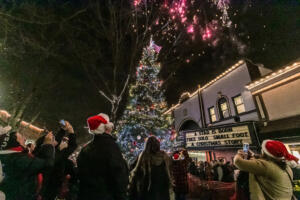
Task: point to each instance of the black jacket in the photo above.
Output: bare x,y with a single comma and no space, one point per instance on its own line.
102,170
53,178
20,172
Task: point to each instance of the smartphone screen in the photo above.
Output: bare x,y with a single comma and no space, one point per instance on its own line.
62,122
246,147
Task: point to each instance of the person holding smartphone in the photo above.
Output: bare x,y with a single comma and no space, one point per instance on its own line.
270,176
20,170
65,145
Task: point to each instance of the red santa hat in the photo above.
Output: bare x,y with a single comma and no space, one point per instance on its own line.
97,123
277,150
176,156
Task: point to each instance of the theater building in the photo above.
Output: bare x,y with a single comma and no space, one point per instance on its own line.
219,117
277,97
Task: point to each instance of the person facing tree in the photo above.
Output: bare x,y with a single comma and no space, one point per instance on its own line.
102,170
151,179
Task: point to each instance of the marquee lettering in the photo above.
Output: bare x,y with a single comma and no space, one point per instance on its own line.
225,136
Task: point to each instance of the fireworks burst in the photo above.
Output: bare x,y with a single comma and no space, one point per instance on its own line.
177,19
178,15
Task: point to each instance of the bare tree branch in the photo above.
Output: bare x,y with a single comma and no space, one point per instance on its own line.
24,20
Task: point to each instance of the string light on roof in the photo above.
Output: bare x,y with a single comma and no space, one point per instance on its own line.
273,75
208,84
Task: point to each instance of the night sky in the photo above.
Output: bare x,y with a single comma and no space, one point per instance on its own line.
266,32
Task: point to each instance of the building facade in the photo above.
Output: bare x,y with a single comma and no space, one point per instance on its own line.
277,97
223,108
245,104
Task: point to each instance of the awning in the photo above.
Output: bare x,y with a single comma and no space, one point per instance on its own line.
286,130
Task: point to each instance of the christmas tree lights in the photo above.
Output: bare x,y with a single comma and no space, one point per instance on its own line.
143,115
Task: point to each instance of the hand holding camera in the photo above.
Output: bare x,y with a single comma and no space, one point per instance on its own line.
66,126
246,153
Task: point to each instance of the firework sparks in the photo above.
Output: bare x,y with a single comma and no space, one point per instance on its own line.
190,29
136,2
207,34
177,15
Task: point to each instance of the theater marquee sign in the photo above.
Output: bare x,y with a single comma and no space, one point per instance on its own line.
223,136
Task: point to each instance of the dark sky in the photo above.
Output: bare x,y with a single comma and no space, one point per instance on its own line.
266,32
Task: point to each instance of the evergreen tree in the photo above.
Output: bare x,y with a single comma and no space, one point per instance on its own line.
143,115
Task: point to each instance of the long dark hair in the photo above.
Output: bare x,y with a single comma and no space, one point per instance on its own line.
152,145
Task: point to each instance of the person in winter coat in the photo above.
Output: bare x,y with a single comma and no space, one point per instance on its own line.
270,177
151,178
102,170
20,170
208,171
227,173
179,171
242,186
193,169
65,145
218,170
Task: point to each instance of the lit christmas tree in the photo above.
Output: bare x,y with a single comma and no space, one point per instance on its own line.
143,115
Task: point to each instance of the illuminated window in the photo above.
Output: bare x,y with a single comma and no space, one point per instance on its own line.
239,104
212,114
223,108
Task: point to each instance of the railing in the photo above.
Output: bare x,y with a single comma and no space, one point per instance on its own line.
210,190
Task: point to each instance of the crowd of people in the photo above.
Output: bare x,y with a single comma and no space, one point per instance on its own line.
49,169
216,170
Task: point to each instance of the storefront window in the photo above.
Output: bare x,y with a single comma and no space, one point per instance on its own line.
197,155
212,114
239,104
